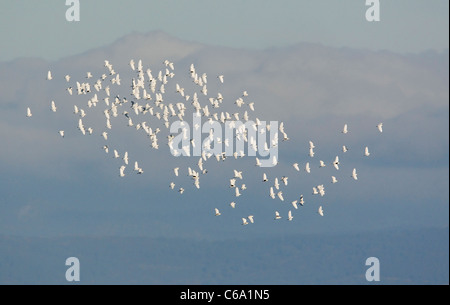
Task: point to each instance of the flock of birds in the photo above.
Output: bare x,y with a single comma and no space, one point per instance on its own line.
147,101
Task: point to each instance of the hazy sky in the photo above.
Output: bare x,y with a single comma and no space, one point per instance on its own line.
314,65
39,29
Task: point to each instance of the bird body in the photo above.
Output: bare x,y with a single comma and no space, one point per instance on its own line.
290,217
380,127
345,130
121,171
53,106
308,168
354,175
320,211
277,215
336,163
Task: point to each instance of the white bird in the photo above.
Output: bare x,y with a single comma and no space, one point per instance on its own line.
238,194
106,149
315,191
49,75
67,77
272,193
121,171
232,183
285,180
294,204
322,164
276,184
320,211
53,106
308,168
345,130
311,145
311,152
280,196
336,163
220,77
251,218
295,165
258,162
265,178
217,212
354,175
125,158
233,204
244,221
172,185
116,154
290,217
176,171
333,179
344,149
277,215
238,174
380,127
302,200
274,161
105,135
366,152
181,191
61,133
29,114
321,189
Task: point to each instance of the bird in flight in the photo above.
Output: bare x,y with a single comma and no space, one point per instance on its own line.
380,127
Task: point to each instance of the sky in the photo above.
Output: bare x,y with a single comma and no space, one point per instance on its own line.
314,65
39,28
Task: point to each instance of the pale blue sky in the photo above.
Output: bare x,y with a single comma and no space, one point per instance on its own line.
39,29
